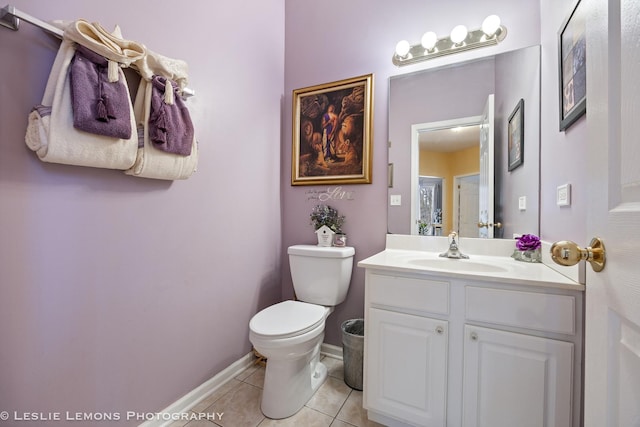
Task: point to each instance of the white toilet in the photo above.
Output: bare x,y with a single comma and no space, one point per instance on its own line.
289,334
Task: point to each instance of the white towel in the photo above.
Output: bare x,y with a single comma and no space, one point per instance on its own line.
151,162
55,140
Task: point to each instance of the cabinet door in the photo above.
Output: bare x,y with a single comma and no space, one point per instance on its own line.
513,379
407,367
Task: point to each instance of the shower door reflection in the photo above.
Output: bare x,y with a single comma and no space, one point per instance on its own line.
430,206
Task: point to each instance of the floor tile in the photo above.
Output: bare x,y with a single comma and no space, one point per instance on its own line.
353,413
256,378
334,366
224,389
330,397
335,404
240,407
306,417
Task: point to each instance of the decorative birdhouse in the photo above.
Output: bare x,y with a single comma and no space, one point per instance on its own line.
325,236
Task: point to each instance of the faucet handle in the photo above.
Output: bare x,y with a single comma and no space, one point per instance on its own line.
453,235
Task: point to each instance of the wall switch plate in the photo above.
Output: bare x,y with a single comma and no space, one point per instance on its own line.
522,203
563,195
396,200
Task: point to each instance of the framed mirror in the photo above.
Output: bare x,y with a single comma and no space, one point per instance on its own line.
432,112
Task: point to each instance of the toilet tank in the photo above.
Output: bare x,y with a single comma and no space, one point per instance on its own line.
321,275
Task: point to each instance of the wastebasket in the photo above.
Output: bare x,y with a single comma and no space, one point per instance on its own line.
352,351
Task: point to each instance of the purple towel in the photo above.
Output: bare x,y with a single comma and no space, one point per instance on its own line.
99,106
170,126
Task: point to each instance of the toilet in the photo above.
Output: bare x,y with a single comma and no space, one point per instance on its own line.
289,334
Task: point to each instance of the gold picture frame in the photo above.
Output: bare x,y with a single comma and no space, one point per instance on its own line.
332,133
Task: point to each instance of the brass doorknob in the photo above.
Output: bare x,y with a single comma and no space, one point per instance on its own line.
568,253
489,224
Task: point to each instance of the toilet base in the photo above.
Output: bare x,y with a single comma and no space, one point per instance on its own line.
289,384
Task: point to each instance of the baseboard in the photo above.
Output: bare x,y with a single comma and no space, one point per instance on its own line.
331,350
191,399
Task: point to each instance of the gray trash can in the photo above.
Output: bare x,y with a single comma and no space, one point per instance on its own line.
352,351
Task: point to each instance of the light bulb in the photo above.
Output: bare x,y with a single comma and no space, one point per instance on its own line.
402,48
458,34
490,25
429,40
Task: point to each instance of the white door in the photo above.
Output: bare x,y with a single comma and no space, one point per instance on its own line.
467,203
495,361
486,170
612,341
407,367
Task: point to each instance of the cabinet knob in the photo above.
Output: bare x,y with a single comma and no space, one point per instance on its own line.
440,330
474,336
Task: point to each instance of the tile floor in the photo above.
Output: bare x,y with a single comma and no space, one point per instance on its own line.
335,404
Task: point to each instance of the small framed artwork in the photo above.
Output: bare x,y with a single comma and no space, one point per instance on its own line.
332,126
572,64
515,137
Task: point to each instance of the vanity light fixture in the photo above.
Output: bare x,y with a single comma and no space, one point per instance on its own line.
460,40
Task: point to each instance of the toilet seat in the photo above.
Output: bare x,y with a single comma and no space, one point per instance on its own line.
287,319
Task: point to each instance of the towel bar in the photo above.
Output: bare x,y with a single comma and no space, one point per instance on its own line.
10,18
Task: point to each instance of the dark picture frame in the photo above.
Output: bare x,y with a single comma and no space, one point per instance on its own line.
572,66
332,133
515,137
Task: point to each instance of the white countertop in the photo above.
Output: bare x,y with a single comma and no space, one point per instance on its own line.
412,254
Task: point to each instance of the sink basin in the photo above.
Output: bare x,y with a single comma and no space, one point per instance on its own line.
461,265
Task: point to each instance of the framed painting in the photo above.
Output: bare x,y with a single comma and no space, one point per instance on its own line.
332,127
515,138
572,65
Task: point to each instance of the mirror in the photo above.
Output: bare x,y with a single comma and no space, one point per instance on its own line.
424,107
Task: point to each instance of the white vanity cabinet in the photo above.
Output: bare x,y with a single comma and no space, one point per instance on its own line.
447,350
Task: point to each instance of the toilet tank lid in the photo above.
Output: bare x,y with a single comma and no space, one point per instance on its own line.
322,251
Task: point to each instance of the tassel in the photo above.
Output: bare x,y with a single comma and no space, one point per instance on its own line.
101,111
109,108
168,93
160,134
113,74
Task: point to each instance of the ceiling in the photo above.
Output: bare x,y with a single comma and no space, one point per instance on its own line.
446,140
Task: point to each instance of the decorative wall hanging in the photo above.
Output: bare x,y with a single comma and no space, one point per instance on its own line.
332,133
572,65
516,136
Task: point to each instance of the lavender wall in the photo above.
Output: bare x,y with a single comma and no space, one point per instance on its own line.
563,154
120,293
339,40
518,77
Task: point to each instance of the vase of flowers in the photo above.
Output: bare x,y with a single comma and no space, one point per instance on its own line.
328,217
528,248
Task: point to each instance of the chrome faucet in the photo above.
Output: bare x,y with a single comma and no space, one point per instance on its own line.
454,251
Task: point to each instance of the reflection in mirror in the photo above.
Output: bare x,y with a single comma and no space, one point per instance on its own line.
424,107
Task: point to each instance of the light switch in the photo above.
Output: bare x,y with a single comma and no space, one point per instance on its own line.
522,203
563,195
396,200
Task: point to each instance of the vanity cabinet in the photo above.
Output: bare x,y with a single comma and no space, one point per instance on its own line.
453,351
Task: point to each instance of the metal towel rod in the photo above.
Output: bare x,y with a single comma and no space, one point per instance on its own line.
10,18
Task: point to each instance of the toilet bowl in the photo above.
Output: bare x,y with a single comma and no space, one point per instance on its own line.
294,371
289,334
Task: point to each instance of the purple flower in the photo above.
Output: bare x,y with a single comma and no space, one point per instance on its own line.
528,242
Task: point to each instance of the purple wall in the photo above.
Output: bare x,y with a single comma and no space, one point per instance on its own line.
563,156
518,77
338,40
120,293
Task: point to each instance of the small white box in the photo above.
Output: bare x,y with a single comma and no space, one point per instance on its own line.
522,203
396,200
563,195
